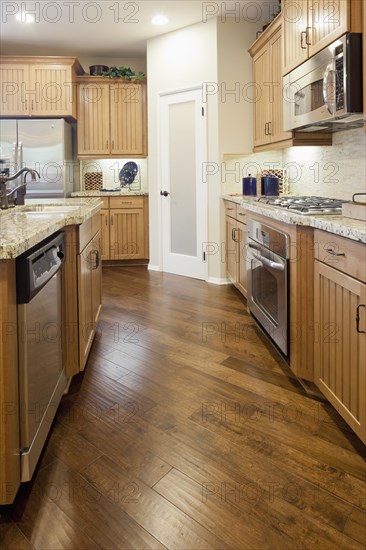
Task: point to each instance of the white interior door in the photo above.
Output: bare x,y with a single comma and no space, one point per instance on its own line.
183,191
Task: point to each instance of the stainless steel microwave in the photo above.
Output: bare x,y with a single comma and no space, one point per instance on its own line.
325,92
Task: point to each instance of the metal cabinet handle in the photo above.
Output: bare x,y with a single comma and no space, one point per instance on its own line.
112,220
97,259
266,129
269,128
106,220
332,252
358,319
307,35
32,105
26,104
113,144
234,238
107,147
302,35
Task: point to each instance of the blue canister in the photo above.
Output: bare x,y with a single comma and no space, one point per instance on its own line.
249,186
270,186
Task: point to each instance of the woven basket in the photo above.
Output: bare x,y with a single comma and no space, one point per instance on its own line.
93,181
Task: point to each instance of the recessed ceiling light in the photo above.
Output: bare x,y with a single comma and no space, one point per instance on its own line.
24,17
159,20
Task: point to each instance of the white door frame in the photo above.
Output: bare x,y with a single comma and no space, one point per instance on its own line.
201,214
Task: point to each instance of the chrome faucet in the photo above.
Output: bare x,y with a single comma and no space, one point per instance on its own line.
5,194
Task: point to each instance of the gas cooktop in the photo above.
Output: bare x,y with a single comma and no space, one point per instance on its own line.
305,205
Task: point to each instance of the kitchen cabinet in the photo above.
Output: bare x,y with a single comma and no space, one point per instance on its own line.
89,295
267,73
340,321
236,237
111,118
311,25
82,291
125,228
268,107
38,86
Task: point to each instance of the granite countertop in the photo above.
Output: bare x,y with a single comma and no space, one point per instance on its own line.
22,228
124,192
337,224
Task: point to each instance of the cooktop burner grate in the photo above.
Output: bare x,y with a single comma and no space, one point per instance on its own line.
305,205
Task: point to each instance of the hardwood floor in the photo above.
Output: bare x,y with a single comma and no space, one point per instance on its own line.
186,431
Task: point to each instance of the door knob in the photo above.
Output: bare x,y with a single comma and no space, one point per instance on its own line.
164,193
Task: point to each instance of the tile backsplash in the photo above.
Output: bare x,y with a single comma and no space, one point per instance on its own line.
335,171
110,169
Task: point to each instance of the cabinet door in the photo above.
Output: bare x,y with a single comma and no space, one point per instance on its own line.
96,270
231,250
128,119
328,20
85,306
127,234
52,90
14,85
262,78
93,119
340,350
295,23
276,91
242,272
105,236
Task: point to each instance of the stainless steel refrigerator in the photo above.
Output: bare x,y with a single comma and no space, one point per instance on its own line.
46,145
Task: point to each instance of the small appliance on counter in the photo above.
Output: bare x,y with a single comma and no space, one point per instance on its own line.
249,186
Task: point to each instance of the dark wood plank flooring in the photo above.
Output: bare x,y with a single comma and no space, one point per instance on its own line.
187,431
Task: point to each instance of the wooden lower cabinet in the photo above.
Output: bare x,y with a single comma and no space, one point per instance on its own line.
124,229
89,295
236,237
340,346
242,271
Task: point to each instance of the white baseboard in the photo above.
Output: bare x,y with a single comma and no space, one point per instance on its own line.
152,267
218,281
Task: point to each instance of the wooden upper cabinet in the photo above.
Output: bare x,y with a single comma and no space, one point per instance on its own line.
261,72
93,119
38,86
12,81
311,25
128,119
115,124
267,74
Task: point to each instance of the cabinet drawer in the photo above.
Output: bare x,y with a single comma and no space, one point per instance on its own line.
241,214
341,253
230,208
126,202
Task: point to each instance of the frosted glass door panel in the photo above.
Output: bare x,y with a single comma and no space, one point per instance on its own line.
182,162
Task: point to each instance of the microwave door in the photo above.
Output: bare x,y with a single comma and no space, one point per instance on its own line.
306,103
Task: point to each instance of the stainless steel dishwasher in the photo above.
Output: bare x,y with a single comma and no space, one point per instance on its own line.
41,375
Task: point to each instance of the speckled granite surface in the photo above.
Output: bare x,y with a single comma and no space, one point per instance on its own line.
25,226
337,224
123,192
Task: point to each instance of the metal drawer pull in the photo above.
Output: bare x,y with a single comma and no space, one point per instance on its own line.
358,319
241,214
334,253
308,42
268,263
302,34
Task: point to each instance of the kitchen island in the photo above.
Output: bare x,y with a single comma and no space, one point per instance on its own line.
21,229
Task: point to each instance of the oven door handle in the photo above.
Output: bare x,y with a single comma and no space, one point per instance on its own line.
268,263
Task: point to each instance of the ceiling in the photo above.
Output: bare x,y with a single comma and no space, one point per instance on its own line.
107,27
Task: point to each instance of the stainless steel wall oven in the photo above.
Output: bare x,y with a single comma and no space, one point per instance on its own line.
268,265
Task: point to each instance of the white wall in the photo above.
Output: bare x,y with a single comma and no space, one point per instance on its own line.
215,54
177,60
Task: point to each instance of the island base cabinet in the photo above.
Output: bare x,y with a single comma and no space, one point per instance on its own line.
89,286
340,346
